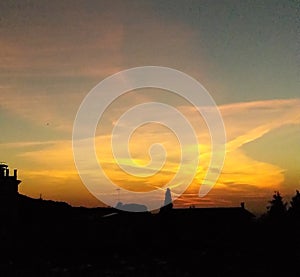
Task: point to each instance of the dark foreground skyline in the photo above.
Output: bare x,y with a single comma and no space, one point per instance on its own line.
50,238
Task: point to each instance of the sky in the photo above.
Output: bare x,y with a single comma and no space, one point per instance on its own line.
245,53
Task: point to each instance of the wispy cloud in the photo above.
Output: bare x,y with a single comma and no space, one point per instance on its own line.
241,174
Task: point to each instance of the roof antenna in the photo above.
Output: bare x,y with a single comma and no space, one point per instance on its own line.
118,189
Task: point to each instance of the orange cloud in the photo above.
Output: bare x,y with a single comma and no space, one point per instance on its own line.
241,174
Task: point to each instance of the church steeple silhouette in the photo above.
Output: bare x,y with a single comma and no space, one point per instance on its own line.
168,204
168,198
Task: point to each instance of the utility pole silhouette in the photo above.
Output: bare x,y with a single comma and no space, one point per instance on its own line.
118,199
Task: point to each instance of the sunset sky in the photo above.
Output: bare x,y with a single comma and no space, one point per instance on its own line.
245,53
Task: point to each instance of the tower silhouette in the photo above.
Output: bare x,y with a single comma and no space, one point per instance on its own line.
168,198
8,194
168,204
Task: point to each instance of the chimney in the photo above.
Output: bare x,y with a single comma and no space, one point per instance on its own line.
243,205
15,173
6,172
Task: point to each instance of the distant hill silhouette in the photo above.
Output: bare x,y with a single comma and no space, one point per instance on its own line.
132,207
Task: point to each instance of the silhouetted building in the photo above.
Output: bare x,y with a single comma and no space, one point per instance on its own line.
221,215
8,194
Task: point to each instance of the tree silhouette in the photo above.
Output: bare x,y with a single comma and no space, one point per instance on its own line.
277,208
294,209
